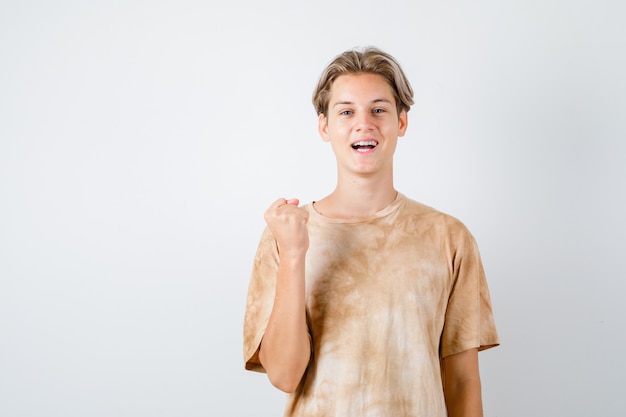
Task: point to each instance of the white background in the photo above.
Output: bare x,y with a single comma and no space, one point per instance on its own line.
141,141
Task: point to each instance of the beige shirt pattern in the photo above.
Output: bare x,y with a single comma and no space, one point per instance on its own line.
387,297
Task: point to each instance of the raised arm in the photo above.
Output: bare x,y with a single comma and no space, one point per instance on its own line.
286,348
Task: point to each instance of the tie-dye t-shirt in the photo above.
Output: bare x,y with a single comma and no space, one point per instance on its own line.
387,297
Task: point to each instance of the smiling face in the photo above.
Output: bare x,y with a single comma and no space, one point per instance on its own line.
363,124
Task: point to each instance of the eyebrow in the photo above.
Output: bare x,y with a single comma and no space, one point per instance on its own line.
378,100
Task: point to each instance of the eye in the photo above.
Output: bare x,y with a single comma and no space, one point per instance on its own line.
379,110
346,113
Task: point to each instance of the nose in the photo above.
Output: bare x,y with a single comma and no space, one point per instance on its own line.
364,121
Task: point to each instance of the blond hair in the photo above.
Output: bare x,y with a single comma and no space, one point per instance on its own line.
367,60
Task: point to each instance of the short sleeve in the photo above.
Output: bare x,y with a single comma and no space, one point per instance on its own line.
260,299
469,321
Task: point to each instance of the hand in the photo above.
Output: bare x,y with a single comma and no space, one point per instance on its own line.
287,222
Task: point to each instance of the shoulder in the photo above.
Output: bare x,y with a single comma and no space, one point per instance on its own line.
424,217
267,246
431,215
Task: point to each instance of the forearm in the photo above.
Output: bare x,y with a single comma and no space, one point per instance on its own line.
285,348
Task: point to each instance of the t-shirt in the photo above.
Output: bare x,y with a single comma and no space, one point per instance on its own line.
387,297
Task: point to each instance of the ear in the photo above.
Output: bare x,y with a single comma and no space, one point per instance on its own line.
322,127
403,123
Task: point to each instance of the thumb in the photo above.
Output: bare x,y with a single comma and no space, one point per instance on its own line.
293,201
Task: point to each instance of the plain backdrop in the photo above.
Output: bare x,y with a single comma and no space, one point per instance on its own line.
141,141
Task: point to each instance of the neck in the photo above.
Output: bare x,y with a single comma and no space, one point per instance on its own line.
358,197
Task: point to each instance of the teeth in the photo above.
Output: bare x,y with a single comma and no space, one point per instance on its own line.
364,143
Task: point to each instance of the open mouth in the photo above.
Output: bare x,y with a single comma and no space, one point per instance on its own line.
364,145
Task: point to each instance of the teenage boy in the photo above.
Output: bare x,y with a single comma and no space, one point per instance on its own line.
367,303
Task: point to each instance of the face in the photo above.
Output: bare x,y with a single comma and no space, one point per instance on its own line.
362,124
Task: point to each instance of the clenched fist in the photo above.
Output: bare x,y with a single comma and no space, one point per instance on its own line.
287,222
